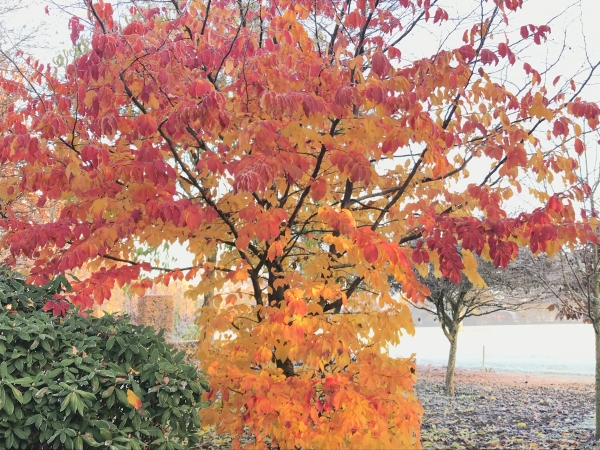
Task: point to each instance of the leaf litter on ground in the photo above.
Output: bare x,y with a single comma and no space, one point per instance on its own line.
504,411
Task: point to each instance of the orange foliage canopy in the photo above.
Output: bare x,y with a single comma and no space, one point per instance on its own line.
298,156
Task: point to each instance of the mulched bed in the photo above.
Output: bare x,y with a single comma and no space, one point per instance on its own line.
493,411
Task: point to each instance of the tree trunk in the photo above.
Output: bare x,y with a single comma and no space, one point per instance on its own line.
451,363
597,335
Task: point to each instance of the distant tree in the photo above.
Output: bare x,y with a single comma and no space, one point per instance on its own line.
572,276
488,290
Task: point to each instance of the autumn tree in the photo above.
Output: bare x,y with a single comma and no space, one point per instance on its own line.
485,290
297,154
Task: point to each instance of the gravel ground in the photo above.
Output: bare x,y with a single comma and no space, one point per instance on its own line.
494,411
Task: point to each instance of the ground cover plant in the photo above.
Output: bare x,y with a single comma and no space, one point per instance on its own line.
70,381
303,152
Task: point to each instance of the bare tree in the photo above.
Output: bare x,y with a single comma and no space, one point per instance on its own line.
451,303
572,276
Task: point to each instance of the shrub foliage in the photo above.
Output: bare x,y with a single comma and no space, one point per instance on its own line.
67,382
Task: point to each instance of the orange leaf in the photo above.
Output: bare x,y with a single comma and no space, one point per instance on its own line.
263,355
147,124
318,189
275,250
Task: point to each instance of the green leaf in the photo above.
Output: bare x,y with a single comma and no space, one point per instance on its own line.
27,396
17,394
105,434
108,392
122,396
10,440
65,402
3,370
89,439
22,433
32,419
75,402
41,392
106,373
8,406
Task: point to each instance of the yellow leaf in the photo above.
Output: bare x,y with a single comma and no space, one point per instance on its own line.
314,308
133,399
423,269
470,269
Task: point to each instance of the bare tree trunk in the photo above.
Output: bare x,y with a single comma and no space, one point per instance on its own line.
452,361
597,335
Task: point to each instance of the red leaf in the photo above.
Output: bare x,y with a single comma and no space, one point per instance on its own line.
559,128
393,52
556,80
488,57
502,49
254,175
371,253
554,204
420,255
381,65
467,52
449,139
440,15
524,32
579,148
58,308
76,28
354,20
135,27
